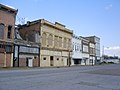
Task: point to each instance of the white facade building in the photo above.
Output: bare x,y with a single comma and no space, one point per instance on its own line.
77,50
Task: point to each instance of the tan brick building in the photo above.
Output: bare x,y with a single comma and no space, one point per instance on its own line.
56,45
7,24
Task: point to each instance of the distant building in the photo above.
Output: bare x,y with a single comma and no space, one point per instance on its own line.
77,51
96,40
7,25
85,51
55,39
92,53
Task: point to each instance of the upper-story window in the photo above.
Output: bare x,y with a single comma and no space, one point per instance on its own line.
56,41
85,48
50,40
44,38
64,42
73,46
69,43
2,30
9,32
60,41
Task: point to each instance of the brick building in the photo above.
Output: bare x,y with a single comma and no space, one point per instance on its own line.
7,24
26,53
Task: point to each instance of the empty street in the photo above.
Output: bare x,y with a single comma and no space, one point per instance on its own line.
102,77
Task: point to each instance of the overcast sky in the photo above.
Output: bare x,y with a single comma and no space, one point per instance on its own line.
85,17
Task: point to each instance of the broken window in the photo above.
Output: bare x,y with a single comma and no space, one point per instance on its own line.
9,32
2,30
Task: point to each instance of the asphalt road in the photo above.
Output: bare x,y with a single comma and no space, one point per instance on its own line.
104,77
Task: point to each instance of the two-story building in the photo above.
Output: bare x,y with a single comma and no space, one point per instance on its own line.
55,39
7,25
77,50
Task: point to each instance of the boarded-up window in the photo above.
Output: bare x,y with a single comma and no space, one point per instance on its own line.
69,43
60,41
56,41
2,31
44,38
64,42
50,40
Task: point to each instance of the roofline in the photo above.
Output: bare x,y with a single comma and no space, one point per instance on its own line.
45,22
9,8
92,36
63,28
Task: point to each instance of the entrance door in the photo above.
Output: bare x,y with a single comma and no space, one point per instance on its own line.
51,61
30,62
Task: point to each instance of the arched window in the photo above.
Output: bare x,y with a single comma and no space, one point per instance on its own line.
44,38
2,27
50,40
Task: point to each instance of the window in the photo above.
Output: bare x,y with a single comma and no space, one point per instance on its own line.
8,48
50,40
2,31
73,46
44,58
57,59
44,38
85,48
69,43
56,41
1,46
9,32
64,43
60,41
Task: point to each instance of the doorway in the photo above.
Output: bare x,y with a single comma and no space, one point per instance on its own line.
29,62
51,61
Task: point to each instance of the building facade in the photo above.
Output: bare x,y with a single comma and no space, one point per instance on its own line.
55,39
96,40
85,51
77,51
7,24
91,53
56,44
26,53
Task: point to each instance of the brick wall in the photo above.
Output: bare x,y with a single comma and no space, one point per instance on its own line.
22,62
35,62
8,60
2,58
